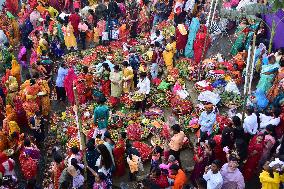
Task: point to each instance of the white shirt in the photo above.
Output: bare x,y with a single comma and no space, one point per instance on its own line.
63,15
144,86
214,181
268,120
250,124
155,38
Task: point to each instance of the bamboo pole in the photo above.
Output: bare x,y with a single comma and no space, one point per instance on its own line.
80,133
248,77
272,34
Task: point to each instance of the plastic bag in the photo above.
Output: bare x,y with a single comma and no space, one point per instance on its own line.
208,96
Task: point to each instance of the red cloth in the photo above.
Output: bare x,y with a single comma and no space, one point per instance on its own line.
118,153
105,87
253,160
280,128
68,85
33,4
218,150
12,6
161,181
28,166
199,42
181,40
75,20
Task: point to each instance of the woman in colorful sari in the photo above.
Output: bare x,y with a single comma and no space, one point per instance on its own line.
31,104
253,27
241,34
202,157
44,96
144,19
69,37
29,156
193,28
199,44
105,82
16,71
68,85
116,84
269,141
181,38
255,150
128,75
275,89
56,169
118,153
267,74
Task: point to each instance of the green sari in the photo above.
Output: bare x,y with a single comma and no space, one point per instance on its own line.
239,43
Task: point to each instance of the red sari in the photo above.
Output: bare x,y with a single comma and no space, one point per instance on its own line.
12,6
199,42
181,39
118,153
218,150
253,159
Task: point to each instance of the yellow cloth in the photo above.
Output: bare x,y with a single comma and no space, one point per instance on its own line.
16,71
52,11
127,79
168,58
45,100
174,46
13,127
268,182
69,37
42,46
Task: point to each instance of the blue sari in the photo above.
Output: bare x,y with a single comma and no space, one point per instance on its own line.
266,81
193,29
252,28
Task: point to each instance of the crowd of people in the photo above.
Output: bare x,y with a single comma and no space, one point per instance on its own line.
36,36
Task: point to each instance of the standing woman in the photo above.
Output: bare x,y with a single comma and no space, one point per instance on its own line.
105,164
193,29
199,43
128,76
116,83
69,37
181,38
255,150
241,35
118,153
105,81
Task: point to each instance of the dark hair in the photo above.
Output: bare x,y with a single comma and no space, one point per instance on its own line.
128,144
212,143
157,171
125,63
75,150
272,57
74,162
277,112
32,81
271,128
27,142
281,62
63,64
143,74
28,76
123,135
157,32
201,182
173,38
233,158
237,121
57,157
85,69
104,58
77,10
226,137
250,110
91,144
174,167
241,148
106,156
218,163
116,67
176,127
106,66
36,75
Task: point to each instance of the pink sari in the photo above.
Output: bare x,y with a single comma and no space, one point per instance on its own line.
68,85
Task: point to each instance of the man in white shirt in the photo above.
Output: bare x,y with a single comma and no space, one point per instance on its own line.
266,119
213,176
206,121
143,88
250,122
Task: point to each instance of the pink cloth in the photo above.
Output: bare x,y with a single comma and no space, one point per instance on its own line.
82,27
76,5
68,85
101,27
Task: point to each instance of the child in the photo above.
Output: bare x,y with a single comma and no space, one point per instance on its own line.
100,182
156,155
269,177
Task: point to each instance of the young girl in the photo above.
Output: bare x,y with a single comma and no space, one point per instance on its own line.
156,157
100,182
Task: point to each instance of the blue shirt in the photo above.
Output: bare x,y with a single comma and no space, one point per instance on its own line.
62,72
206,121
